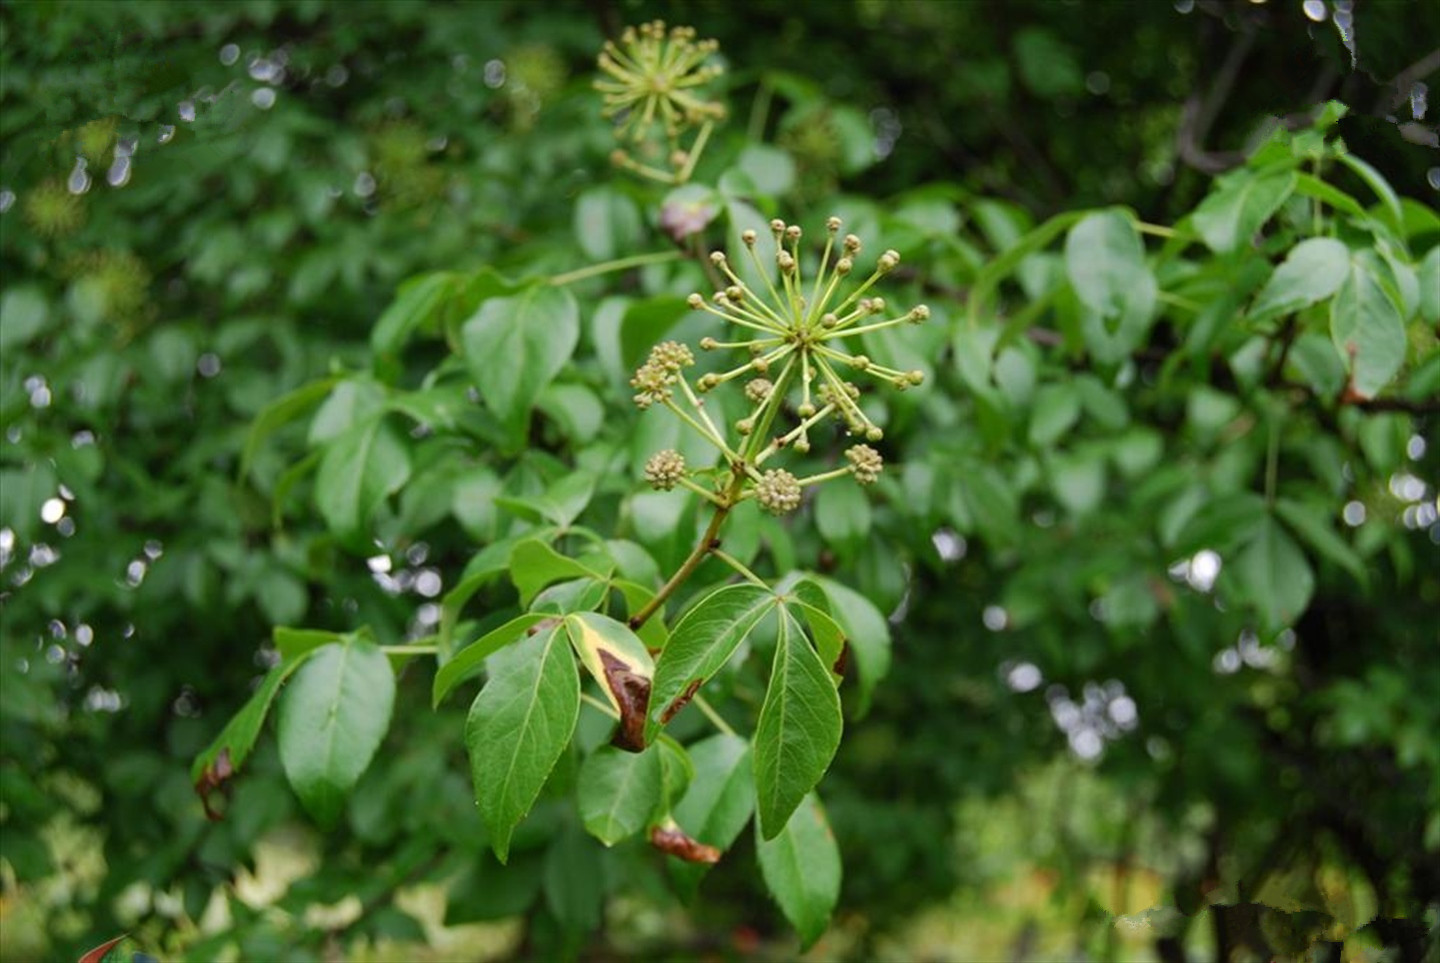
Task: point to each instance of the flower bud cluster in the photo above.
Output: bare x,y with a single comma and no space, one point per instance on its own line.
665,469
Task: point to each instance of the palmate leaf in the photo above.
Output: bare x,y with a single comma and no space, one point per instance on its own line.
518,726
798,730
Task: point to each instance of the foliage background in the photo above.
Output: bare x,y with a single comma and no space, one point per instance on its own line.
276,199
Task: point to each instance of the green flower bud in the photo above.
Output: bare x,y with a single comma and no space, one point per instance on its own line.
778,492
665,469
865,463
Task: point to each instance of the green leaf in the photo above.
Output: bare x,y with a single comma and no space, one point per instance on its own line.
1105,261
771,169
575,882
646,323
534,565
1057,408
1239,206
24,313
1377,183
700,645
1274,575
468,661
416,304
1314,529
279,413
224,757
842,513
719,802
332,719
801,868
1367,329
621,665
866,632
518,726
515,346
1430,286
607,223
358,471
354,400
798,730
294,643
811,602
1311,272
618,791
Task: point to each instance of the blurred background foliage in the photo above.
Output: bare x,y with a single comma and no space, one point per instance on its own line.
1077,753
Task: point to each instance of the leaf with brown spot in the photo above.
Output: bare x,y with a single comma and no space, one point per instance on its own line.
619,661
671,839
98,953
222,759
680,702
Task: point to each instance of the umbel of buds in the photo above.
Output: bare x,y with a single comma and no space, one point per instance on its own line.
652,88
795,373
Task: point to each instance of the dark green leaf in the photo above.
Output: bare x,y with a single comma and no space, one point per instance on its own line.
1274,575
358,471
468,661
801,868
515,346
619,791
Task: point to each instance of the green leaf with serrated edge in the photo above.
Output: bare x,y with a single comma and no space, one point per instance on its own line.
801,869
515,346
620,663
798,730
534,565
700,644
1274,574
332,718
223,758
1430,286
1367,329
1239,205
618,791
518,727
469,660
358,471
279,413
1313,528
293,643
1310,273
867,634
719,802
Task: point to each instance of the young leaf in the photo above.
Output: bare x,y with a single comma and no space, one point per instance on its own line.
515,346
618,791
467,661
1275,575
358,471
801,868
223,758
798,730
332,719
700,644
1367,329
518,726
621,664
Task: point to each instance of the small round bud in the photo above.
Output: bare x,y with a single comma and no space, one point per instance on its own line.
749,237
876,305
829,320
735,293
708,344
805,410
665,469
760,365
865,463
619,158
874,434
678,158
786,261
671,356
887,262
792,233
852,244
758,390
919,313
915,377
707,382
695,301
802,445
652,384
778,226
745,426
832,224
778,492
843,266
717,258
860,362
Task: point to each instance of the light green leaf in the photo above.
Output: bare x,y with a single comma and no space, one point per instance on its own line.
798,730
621,665
1239,206
575,881
1274,575
618,791
842,513
801,868
1311,272
24,313
515,346
1105,261
354,400
1376,181
1430,286
358,471
534,565
700,644
332,719
293,643
607,223
416,303
719,802
518,726
468,661
771,169
1057,408
866,632
1367,329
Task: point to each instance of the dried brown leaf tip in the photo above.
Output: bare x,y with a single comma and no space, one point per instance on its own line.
213,781
671,839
